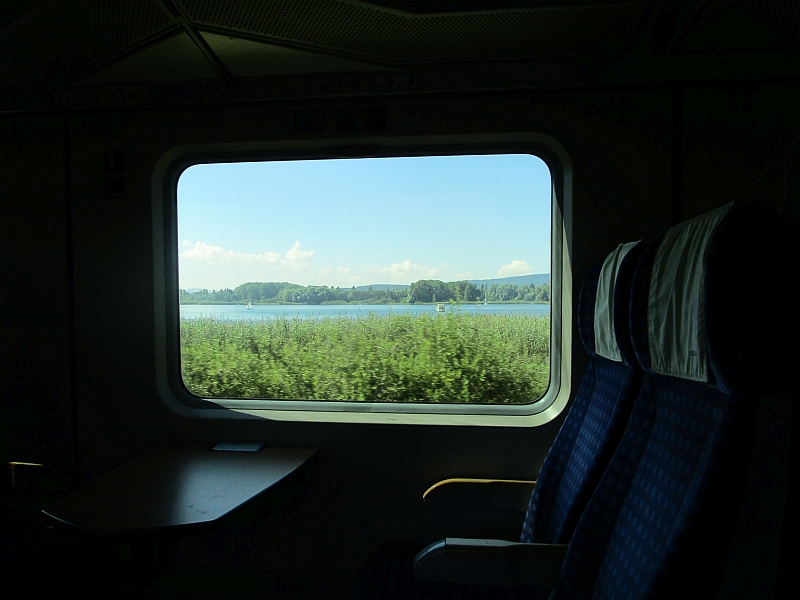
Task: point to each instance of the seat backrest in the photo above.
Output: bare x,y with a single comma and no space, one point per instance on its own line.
601,407
663,515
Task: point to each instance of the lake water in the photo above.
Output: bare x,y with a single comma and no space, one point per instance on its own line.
352,311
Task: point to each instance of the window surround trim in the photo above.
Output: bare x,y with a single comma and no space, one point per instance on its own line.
169,384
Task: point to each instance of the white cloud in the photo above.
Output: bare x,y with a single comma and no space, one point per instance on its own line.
515,267
295,255
464,275
295,258
343,270
209,253
404,270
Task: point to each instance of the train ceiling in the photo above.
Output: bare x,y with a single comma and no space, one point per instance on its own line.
82,44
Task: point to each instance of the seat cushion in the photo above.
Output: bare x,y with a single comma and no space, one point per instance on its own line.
662,518
581,451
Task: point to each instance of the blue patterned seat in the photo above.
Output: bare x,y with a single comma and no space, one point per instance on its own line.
600,411
579,454
662,518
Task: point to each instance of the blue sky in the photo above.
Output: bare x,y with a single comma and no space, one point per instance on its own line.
362,221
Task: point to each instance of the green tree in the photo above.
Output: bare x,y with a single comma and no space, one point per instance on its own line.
422,291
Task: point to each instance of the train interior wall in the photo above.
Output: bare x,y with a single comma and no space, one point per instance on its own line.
77,290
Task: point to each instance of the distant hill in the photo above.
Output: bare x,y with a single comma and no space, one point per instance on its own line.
383,287
536,279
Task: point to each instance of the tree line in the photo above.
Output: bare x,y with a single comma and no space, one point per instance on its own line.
424,290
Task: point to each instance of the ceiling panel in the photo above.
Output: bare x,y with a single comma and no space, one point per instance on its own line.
58,40
357,29
244,58
175,58
740,25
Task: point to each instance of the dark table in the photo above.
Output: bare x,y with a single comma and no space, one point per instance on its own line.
175,491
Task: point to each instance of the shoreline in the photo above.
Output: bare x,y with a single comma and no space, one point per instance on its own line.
218,303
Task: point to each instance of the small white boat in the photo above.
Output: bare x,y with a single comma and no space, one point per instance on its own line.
249,304
440,308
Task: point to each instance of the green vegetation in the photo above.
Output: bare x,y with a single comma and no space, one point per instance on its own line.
424,290
455,358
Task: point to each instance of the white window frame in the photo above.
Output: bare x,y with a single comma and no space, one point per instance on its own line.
165,251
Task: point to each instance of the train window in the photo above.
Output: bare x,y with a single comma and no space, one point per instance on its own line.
405,284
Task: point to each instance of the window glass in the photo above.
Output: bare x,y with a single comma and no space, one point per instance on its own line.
416,279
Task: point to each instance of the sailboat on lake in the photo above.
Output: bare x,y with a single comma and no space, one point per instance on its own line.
249,304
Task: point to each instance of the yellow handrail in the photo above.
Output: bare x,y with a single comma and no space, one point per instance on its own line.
472,480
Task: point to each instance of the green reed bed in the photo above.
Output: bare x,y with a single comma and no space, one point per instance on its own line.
455,357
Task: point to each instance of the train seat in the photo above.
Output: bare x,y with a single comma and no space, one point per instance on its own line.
662,518
577,458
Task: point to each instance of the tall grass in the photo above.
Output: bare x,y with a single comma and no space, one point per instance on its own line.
454,358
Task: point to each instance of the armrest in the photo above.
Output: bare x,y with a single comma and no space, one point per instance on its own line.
491,495
490,562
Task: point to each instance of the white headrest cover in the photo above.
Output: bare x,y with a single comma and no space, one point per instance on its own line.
605,339
675,320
